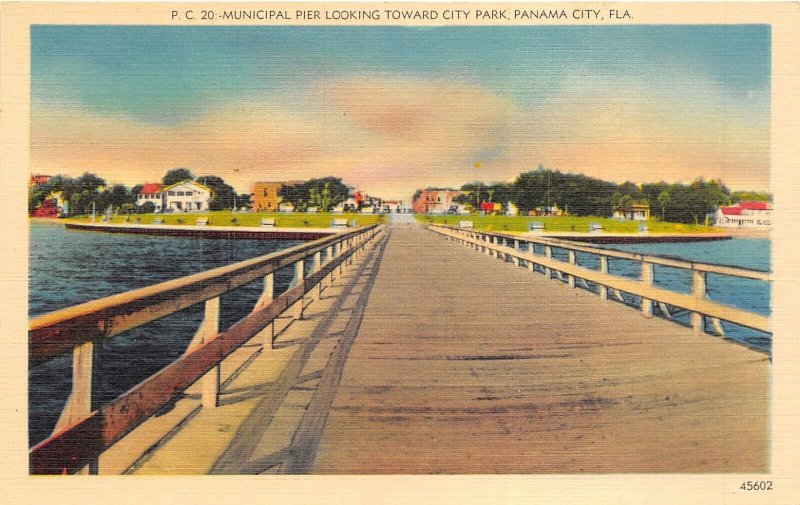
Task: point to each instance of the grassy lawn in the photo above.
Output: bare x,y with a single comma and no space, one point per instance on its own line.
226,218
560,223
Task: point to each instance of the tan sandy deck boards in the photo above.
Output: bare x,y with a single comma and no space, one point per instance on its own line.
465,364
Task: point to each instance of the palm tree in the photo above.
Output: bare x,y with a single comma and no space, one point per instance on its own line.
663,200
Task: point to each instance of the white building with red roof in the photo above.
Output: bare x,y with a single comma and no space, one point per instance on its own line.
745,215
150,192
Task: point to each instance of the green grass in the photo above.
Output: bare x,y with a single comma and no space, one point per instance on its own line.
225,218
561,223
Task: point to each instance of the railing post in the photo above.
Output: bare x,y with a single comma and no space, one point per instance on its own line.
208,329
516,248
531,264
328,259
570,278
265,299
548,253
647,279
297,281
699,292
315,268
603,269
85,382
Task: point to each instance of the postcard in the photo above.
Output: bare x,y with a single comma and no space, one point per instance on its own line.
394,252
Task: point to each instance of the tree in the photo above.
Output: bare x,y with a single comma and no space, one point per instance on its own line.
222,194
625,202
324,193
176,175
663,200
36,195
147,208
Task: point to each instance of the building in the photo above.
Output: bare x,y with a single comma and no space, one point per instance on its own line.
745,215
150,192
633,212
436,201
38,180
186,196
264,195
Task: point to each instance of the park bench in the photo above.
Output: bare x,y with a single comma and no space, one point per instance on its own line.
202,221
339,223
536,226
268,222
353,223
467,225
158,220
596,228
642,228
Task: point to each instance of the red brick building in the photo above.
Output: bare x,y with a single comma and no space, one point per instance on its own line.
435,201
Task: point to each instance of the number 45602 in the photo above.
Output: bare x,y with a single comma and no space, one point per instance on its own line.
756,485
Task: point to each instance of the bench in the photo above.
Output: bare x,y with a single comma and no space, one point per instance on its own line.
268,222
467,225
536,226
201,221
158,220
596,228
353,223
642,228
339,223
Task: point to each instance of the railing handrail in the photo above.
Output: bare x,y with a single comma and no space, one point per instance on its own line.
746,273
694,302
59,331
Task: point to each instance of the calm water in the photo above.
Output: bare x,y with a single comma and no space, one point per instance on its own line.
68,267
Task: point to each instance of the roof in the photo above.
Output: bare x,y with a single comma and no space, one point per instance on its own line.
731,211
150,188
753,205
190,182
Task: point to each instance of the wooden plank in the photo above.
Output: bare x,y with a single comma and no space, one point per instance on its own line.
490,370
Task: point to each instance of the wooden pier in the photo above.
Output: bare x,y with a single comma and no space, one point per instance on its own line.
424,356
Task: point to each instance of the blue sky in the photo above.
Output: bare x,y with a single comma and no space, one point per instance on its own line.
510,97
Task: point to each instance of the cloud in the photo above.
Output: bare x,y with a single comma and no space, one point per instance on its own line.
389,134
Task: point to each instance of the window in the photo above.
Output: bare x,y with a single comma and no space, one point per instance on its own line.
171,193
189,193
180,193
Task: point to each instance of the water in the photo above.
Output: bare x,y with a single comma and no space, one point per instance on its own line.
70,267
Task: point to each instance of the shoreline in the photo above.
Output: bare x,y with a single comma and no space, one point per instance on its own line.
219,232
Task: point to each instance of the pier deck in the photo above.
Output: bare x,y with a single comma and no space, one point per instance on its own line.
427,357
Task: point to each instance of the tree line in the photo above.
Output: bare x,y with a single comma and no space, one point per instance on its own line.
86,191
581,195
324,193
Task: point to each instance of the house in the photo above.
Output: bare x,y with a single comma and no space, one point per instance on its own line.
186,196
49,208
38,180
150,192
436,201
745,215
633,212
264,195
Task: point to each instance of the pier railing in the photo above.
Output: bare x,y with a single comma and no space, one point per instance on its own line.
85,430
522,251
